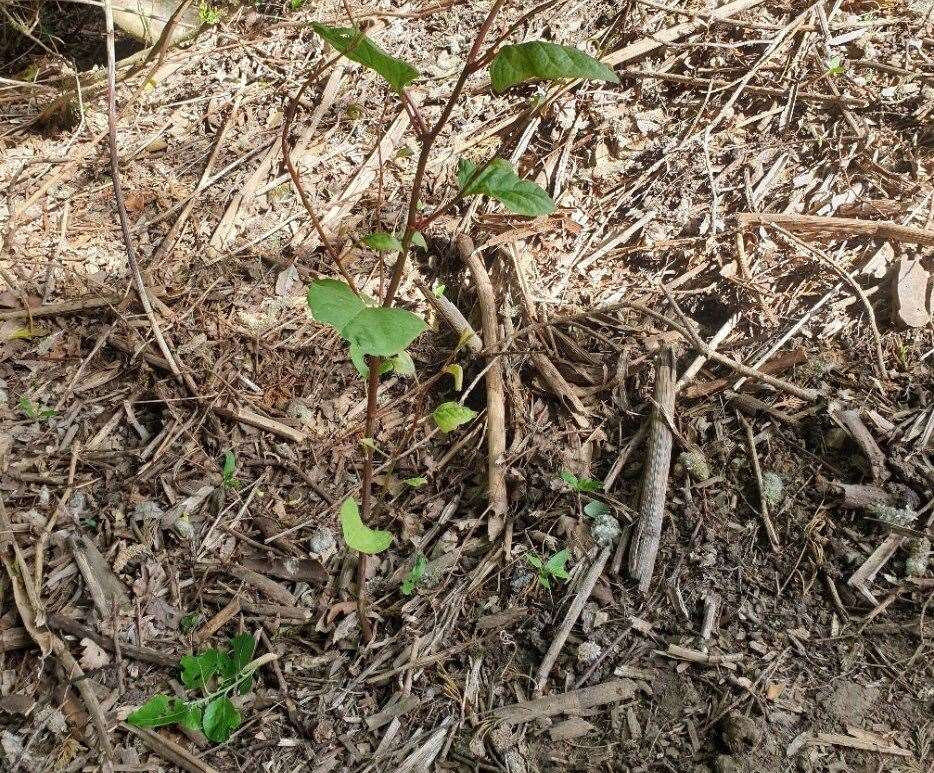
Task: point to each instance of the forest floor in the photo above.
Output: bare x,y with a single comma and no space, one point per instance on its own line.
767,167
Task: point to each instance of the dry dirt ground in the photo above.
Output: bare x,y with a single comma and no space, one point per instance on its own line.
813,653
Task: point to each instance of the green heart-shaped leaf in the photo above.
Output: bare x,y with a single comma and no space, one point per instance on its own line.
449,416
500,182
358,535
383,331
357,47
333,302
545,61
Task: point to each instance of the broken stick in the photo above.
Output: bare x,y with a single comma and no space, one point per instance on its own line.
655,480
760,486
495,400
570,619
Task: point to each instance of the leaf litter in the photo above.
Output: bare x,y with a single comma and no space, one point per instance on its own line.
740,657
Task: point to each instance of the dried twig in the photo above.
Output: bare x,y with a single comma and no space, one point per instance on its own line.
839,227
867,444
169,750
572,702
495,400
135,272
760,486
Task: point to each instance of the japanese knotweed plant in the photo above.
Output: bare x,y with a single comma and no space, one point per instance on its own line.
216,674
378,334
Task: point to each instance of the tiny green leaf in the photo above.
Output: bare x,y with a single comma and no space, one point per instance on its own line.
500,182
438,290
383,331
556,565
357,47
449,416
188,622
457,373
382,242
538,59
358,535
580,484
198,670
594,509
415,575
220,719
229,468
403,364
418,240
333,302
159,711
534,560
416,482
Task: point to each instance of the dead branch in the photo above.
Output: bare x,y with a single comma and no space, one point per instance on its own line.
495,400
648,530
839,227
135,272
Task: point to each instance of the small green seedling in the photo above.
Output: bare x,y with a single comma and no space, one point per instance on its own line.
835,67
208,14
35,412
216,673
415,575
188,622
358,535
416,482
229,469
555,568
596,509
457,373
449,416
581,485
370,331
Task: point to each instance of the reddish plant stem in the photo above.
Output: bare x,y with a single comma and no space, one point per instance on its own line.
372,388
470,66
290,110
398,269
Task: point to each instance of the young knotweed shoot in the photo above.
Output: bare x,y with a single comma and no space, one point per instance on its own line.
214,713
555,568
580,485
415,576
358,535
229,469
384,332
